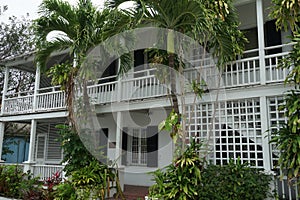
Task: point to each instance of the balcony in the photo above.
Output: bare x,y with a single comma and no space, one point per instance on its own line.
244,72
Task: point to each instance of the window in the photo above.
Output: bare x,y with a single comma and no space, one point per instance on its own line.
140,146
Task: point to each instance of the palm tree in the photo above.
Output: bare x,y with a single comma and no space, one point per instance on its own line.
211,23
79,28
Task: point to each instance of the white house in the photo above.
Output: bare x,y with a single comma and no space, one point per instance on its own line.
252,89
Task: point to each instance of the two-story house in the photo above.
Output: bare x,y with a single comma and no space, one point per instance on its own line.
253,87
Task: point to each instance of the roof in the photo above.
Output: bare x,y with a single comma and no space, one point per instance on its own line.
26,62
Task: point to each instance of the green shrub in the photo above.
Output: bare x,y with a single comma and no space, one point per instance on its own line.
180,180
92,180
65,191
187,179
234,181
17,184
75,153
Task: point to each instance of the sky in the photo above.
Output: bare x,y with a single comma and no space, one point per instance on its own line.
21,8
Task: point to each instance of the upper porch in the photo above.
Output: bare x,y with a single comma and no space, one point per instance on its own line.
247,71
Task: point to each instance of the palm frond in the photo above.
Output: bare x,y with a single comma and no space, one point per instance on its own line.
58,8
43,26
43,54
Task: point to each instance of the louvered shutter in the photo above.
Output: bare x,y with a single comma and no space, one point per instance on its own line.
124,146
103,141
152,146
40,147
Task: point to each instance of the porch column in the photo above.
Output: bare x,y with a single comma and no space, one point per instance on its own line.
261,40
118,153
118,150
267,158
5,86
2,129
119,84
36,86
30,160
265,133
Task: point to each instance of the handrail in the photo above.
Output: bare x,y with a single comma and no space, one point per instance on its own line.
250,51
277,54
281,45
141,71
137,78
244,60
52,92
97,85
19,93
107,77
19,97
49,88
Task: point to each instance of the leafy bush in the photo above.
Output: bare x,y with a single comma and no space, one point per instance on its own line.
187,179
15,183
180,180
65,191
75,154
50,185
92,180
234,182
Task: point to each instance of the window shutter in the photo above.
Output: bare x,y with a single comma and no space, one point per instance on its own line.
124,146
41,143
103,137
54,151
152,146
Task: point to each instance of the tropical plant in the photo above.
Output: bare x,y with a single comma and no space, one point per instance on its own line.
286,13
65,191
86,172
92,181
15,183
211,23
234,181
76,156
78,28
286,138
50,185
182,179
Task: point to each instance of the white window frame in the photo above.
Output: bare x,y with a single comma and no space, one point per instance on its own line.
141,135
41,160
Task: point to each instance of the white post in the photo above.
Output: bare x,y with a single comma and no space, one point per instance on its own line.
118,152
31,146
36,86
118,149
267,159
119,84
2,129
261,40
265,133
5,86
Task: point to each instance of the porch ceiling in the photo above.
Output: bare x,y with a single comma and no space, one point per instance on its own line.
26,62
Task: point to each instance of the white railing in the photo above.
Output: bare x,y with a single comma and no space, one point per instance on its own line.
286,189
51,100
104,91
145,86
242,72
18,105
46,171
272,61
